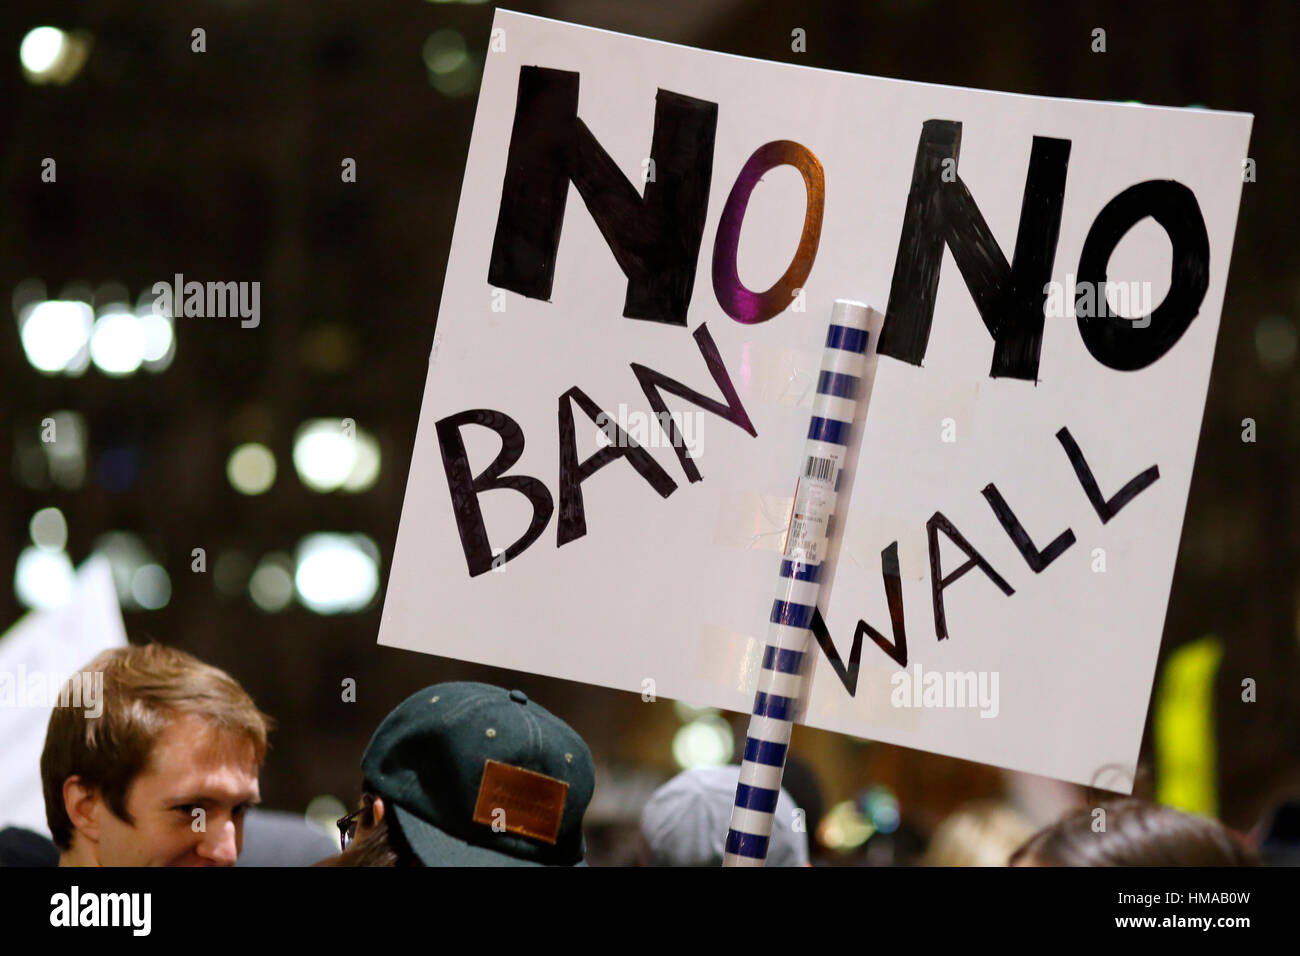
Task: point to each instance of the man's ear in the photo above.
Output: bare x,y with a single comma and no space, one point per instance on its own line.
82,804
377,809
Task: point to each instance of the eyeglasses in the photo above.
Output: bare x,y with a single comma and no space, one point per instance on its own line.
348,824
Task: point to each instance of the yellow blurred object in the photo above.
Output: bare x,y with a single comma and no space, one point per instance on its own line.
844,828
1184,728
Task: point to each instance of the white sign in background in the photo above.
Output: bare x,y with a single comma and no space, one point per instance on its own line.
677,591
36,654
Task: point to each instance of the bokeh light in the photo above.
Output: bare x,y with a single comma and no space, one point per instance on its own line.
336,572
844,827
271,584
452,71
1275,342
43,579
330,454
365,466
251,469
141,582
704,742
159,341
151,588
50,55
49,530
881,808
321,813
41,49
64,437
53,332
117,344
324,453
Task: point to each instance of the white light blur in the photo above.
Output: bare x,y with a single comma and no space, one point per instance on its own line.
65,452
271,585
365,468
54,331
159,340
706,742
322,812
336,572
251,469
48,529
127,554
78,364
151,587
332,453
324,454
43,579
49,55
117,344
41,49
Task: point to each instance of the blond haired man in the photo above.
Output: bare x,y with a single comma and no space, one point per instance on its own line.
165,775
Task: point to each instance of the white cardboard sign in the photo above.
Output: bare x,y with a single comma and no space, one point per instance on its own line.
37,654
1025,460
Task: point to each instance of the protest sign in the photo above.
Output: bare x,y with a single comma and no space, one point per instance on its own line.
600,484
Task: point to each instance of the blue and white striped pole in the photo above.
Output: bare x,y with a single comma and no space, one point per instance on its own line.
781,680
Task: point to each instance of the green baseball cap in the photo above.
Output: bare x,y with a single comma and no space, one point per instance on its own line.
477,775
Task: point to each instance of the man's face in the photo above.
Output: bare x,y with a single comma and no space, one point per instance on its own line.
193,768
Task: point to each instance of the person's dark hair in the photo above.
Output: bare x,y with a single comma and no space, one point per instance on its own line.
1137,833
384,845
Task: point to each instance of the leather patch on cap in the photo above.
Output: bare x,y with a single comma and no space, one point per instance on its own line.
531,803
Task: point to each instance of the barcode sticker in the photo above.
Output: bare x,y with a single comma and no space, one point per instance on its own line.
806,540
819,469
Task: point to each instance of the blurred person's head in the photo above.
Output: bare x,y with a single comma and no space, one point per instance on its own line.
983,833
164,774
1134,833
467,774
685,821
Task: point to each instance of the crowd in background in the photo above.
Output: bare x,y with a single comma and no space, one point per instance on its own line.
166,771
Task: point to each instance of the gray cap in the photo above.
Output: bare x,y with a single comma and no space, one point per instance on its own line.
685,821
